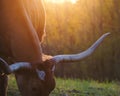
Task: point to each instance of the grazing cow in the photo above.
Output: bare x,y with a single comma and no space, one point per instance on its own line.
22,25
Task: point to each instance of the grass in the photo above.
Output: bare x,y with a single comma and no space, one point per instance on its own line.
12,87
75,87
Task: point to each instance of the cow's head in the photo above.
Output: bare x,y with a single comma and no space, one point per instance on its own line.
39,80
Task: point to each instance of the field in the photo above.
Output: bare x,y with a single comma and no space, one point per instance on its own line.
75,87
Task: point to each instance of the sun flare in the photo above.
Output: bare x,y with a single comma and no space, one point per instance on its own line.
61,1
73,1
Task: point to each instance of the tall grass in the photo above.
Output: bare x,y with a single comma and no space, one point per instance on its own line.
74,87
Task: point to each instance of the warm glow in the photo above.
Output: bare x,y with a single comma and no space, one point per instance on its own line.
62,1
73,1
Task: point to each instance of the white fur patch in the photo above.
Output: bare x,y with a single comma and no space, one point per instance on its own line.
41,74
53,68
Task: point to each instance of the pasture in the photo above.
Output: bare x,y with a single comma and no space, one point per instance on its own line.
75,87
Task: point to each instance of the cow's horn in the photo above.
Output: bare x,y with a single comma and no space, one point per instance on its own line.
79,56
7,69
19,65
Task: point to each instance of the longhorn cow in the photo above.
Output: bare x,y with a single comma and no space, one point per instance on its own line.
22,25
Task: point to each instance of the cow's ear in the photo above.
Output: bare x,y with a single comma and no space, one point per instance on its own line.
4,67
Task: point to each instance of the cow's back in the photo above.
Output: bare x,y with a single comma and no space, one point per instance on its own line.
4,31
10,30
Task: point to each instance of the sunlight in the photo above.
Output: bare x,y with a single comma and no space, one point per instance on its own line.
73,1
61,1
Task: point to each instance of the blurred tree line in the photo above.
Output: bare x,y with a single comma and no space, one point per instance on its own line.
72,28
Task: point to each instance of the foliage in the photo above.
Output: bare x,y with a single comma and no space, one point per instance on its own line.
72,28
74,87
